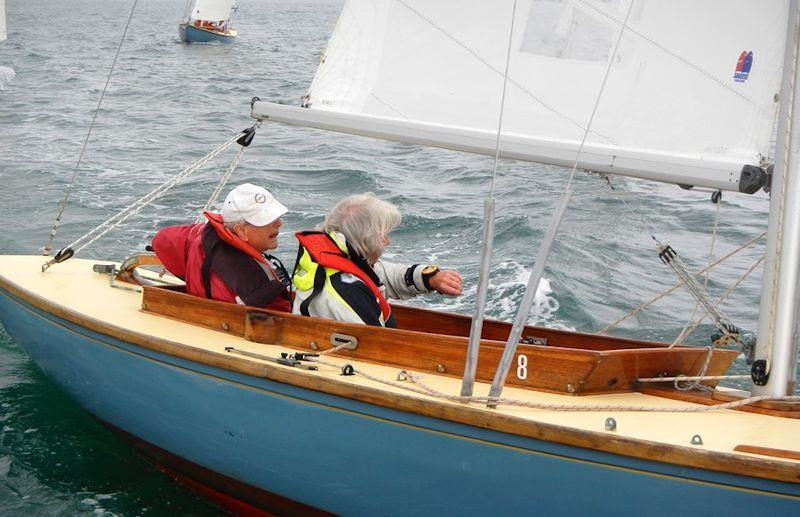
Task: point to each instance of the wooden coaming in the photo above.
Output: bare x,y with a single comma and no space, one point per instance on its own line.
583,364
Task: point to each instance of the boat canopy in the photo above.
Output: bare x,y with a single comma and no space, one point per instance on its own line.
674,108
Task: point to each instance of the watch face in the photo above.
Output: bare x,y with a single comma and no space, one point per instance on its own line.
430,270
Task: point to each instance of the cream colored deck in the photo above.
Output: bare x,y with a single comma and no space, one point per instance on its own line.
74,288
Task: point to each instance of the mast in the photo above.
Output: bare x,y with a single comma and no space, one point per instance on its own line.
776,348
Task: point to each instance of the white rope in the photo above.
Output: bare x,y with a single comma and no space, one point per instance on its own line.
726,293
674,261
421,388
49,246
684,332
139,204
222,182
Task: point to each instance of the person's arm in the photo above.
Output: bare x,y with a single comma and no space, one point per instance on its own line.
403,282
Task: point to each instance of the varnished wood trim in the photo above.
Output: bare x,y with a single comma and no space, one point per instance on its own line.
780,409
472,416
767,451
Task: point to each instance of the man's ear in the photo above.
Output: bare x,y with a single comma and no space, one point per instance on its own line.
240,232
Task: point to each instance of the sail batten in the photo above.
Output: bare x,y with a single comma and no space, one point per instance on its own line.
671,98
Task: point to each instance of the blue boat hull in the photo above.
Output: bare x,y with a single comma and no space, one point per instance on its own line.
191,34
353,458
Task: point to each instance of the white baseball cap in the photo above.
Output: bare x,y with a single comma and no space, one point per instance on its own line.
256,205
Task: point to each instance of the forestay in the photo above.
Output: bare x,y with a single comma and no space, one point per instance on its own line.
691,97
211,10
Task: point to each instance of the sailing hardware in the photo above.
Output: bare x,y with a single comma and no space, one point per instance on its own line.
348,370
112,271
301,356
611,424
716,197
759,372
285,359
350,342
697,440
61,256
247,136
532,340
752,179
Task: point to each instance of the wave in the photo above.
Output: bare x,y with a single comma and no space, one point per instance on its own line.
7,75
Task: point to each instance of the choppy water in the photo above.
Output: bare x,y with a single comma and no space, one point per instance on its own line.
168,104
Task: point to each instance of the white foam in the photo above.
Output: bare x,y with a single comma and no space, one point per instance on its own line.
7,75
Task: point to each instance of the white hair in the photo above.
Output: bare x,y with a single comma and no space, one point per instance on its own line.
231,225
365,221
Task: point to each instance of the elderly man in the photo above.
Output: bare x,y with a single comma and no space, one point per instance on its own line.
224,259
339,274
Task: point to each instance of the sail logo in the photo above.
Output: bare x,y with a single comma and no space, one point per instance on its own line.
743,66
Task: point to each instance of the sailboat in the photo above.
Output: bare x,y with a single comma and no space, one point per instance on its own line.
205,21
449,414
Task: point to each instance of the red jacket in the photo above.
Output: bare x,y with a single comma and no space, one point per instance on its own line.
216,264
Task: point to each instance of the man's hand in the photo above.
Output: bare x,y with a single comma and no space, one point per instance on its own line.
446,282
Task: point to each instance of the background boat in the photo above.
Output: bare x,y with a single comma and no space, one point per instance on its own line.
206,21
45,129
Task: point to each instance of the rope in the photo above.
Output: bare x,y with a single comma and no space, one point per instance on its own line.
222,182
421,388
674,261
726,293
49,246
139,204
675,287
683,333
694,384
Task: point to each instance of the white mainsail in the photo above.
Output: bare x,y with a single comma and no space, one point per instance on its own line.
2,20
674,109
210,10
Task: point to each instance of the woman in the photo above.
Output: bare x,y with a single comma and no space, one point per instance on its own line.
339,274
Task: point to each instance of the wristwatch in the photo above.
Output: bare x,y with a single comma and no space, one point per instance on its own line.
427,274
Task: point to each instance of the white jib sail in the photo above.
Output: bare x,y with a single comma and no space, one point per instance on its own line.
211,10
691,96
2,20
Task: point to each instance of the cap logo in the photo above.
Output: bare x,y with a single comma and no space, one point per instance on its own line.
261,198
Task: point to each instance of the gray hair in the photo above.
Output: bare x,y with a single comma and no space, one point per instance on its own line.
231,225
364,220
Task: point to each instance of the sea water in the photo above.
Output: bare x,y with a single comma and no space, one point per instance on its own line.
168,104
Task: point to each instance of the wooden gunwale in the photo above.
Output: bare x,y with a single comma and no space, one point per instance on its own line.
472,416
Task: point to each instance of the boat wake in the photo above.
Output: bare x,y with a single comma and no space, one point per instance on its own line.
7,75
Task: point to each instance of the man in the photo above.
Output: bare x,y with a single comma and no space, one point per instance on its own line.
224,259
339,274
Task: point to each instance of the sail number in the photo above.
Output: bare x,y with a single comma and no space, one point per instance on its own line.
522,367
